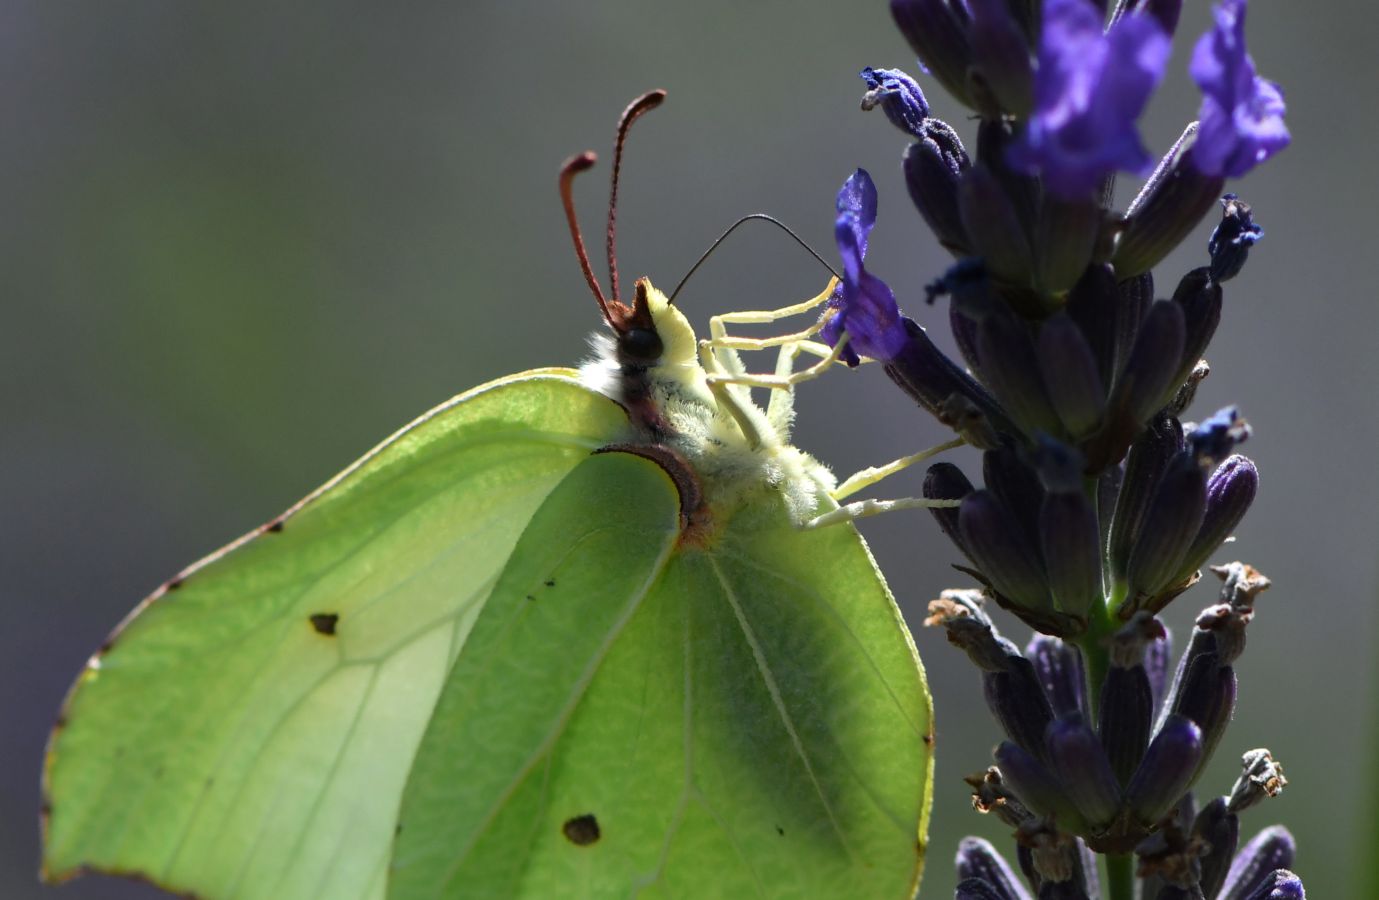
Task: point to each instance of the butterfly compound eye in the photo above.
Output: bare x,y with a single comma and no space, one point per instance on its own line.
641,345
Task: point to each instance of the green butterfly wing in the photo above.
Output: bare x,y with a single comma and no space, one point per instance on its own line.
484,661
248,732
633,715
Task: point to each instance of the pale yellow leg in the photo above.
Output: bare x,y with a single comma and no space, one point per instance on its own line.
863,508
786,382
867,477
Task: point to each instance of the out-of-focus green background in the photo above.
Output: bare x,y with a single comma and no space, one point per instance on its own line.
239,243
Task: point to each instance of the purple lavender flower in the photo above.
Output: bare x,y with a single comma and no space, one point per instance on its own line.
1242,114
1089,90
866,307
899,97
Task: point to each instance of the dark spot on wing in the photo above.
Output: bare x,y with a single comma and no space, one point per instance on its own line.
274,526
780,831
397,829
581,830
324,623
530,597
174,584
929,739
550,582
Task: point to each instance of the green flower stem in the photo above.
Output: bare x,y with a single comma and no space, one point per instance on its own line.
1120,876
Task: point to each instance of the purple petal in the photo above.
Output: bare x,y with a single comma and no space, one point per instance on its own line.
1089,90
1242,114
867,310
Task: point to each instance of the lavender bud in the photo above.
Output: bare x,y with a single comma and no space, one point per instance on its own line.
1135,296
1019,705
899,97
1206,695
990,795
1156,665
1072,552
1262,777
933,167
1058,666
1071,889
994,230
1065,236
945,481
977,859
1170,524
1144,468
1094,305
1279,884
1002,551
1010,366
1230,491
930,378
937,32
1168,768
1018,486
1266,853
1001,68
1200,299
1127,716
1150,375
1219,829
1069,370
1037,787
1172,202
1232,239
1081,766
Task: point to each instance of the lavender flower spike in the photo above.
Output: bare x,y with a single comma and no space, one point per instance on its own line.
1242,114
1089,90
866,307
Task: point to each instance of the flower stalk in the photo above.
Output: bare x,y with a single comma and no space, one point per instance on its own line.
1098,503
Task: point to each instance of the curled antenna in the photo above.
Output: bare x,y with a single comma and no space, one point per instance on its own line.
572,167
733,227
648,101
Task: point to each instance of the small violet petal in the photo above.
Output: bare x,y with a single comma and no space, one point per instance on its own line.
866,308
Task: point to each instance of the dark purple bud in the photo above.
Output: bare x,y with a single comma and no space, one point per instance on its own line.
1231,241
1070,376
1150,375
1001,69
1170,524
1149,458
995,137
1156,665
945,481
1166,772
1219,829
933,166
1065,237
1058,666
1071,543
1127,717
1279,884
1206,695
1134,297
921,370
1172,202
1080,764
1018,703
977,859
899,97
937,32
1010,369
1094,305
1216,437
1266,853
1027,777
969,628
993,228
1072,889
1261,778
1242,114
990,795
1200,300
1230,491
977,889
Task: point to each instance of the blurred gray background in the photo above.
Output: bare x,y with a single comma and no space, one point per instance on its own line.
241,243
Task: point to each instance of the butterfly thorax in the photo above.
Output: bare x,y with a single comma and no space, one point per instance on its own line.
671,407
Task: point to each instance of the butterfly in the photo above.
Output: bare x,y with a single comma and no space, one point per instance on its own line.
570,632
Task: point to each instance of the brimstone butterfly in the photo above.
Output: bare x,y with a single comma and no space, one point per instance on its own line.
563,635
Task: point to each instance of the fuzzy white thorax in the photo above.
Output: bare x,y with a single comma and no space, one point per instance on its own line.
705,433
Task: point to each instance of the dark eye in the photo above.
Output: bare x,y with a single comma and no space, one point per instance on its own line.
641,345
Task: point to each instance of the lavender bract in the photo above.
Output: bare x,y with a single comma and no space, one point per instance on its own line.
1097,505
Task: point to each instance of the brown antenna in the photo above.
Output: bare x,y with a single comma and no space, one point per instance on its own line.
648,101
572,167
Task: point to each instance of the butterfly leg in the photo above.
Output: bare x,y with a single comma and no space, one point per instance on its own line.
862,508
867,477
